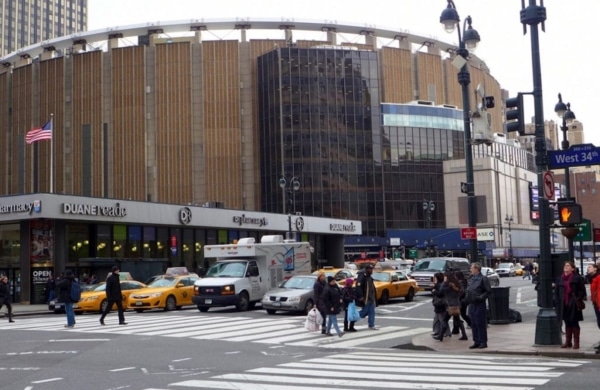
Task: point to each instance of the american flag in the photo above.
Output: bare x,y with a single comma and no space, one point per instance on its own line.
39,133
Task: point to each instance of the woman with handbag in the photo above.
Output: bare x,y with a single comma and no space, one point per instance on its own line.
452,291
569,296
348,297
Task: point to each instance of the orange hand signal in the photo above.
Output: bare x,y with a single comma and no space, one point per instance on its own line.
565,214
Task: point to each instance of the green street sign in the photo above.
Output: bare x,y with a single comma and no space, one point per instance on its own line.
585,231
413,253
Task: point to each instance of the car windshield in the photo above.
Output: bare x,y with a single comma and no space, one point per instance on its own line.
504,265
163,282
101,287
381,276
227,270
430,265
299,283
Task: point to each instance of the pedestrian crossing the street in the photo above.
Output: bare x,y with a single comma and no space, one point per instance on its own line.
389,370
268,330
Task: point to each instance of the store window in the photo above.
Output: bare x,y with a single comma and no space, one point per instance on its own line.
134,242
119,240
103,241
149,242
78,241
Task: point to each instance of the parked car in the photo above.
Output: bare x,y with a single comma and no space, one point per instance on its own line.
391,284
519,270
505,269
295,294
491,275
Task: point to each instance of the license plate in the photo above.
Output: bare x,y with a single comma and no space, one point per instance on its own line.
208,301
276,304
139,303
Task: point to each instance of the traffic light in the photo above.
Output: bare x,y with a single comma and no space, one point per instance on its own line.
569,214
515,120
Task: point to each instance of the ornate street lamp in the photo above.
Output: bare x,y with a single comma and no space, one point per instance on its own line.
289,199
468,41
429,207
509,221
564,111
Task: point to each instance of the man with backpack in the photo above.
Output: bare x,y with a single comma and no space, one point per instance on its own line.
66,291
113,296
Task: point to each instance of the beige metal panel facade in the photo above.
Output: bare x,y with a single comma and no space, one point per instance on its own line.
86,101
453,94
172,114
6,151
430,83
23,120
396,75
127,132
220,76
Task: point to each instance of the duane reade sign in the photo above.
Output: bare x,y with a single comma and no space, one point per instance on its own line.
485,234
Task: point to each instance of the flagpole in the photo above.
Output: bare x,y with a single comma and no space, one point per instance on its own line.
52,154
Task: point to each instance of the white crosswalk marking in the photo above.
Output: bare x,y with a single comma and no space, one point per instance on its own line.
267,330
390,370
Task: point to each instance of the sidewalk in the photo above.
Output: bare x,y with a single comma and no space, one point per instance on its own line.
519,339
20,309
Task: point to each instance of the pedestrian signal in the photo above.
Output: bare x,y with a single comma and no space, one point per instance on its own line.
570,214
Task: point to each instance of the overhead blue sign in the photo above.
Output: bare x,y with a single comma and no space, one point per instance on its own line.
575,156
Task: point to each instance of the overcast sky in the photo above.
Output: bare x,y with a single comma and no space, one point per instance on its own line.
568,54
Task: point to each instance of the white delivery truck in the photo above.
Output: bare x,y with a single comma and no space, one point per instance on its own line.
245,271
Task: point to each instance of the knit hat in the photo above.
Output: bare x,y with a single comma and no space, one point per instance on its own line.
330,278
349,282
114,268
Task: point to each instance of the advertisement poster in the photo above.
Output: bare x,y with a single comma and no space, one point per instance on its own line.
41,242
39,278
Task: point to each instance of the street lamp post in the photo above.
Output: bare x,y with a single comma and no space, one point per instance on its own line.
428,207
564,111
469,40
289,199
509,221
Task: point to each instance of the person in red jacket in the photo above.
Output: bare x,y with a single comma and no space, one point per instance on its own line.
594,276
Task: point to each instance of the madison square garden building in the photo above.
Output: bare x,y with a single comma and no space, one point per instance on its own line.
173,114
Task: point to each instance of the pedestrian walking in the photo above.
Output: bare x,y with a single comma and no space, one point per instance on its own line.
569,297
460,276
5,297
63,291
348,296
440,324
332,299
318,288
595,294
366,296
528,268
453,291
113,296
478,291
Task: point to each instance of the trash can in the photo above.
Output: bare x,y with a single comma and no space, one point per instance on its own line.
498,302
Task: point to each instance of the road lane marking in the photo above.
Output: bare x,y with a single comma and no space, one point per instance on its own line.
48,380
122,369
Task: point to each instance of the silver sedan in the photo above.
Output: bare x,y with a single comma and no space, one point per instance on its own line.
295,294
492,276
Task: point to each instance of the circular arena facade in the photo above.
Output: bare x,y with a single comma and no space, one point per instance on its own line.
217,111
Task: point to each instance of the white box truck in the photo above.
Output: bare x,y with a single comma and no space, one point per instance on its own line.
245,271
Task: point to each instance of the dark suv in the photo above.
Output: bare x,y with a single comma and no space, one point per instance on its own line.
425,269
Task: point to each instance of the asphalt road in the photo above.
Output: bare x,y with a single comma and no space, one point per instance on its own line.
224,349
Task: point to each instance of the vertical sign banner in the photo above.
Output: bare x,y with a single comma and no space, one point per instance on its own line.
39,278
41,242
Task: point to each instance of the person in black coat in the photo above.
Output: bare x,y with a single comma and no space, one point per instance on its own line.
440,325
569,294
113,296
332,299
478,291
5,296
318,289
63,291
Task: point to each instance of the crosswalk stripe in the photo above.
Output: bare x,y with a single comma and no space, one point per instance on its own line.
205,384
235,329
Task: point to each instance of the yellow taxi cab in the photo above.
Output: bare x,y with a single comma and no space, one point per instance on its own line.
95,300
394,284
169,292
519,270
328,271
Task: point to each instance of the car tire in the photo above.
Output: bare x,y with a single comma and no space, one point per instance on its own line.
244,302
139,310
410,295
103,305
308,307
203,309
271,311
385,297
170,303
